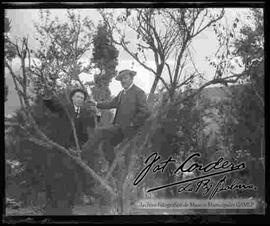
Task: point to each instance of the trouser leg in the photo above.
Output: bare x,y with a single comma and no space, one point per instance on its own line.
113,137
109,136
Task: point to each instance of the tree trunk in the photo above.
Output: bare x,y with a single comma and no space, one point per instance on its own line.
151,97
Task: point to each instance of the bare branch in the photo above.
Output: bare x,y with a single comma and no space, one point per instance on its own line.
224,81
144,65
195,67
179,58
181,69
170,73
150,36
194,18
208,24
186,81
202,20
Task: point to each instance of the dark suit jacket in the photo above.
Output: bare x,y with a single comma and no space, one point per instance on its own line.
63,126
131,108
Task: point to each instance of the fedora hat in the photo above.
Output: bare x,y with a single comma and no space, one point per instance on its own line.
121,73
78,90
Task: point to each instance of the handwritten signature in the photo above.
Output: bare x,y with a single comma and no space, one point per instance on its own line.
219,167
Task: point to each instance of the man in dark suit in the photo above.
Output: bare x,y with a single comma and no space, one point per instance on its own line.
82,116
62,174
131,113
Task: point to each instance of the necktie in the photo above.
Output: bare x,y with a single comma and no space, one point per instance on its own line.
123,93
77,112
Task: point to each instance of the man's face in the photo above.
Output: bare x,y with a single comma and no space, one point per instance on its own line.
126,80
78,99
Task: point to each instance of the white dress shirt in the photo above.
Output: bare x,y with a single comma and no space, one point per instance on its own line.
77,109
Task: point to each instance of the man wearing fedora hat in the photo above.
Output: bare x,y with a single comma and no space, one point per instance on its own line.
82,115
131,113
63,175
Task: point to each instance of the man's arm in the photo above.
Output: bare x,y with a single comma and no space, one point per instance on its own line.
142,109
109,104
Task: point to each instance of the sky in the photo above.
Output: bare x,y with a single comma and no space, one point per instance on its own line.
22,24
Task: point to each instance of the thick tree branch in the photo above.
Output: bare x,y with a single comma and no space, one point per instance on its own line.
170,73
223,81
179,58
65,151
186,81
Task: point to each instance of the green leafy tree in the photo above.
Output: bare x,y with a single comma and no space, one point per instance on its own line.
105,60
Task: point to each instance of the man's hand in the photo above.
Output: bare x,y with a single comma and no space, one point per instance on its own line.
91,102
91,105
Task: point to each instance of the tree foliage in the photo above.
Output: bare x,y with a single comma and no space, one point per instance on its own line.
250,104
244,113
105,60
63,46
250,47
104,56
247,98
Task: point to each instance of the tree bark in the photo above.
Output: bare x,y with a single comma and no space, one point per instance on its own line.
151,96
